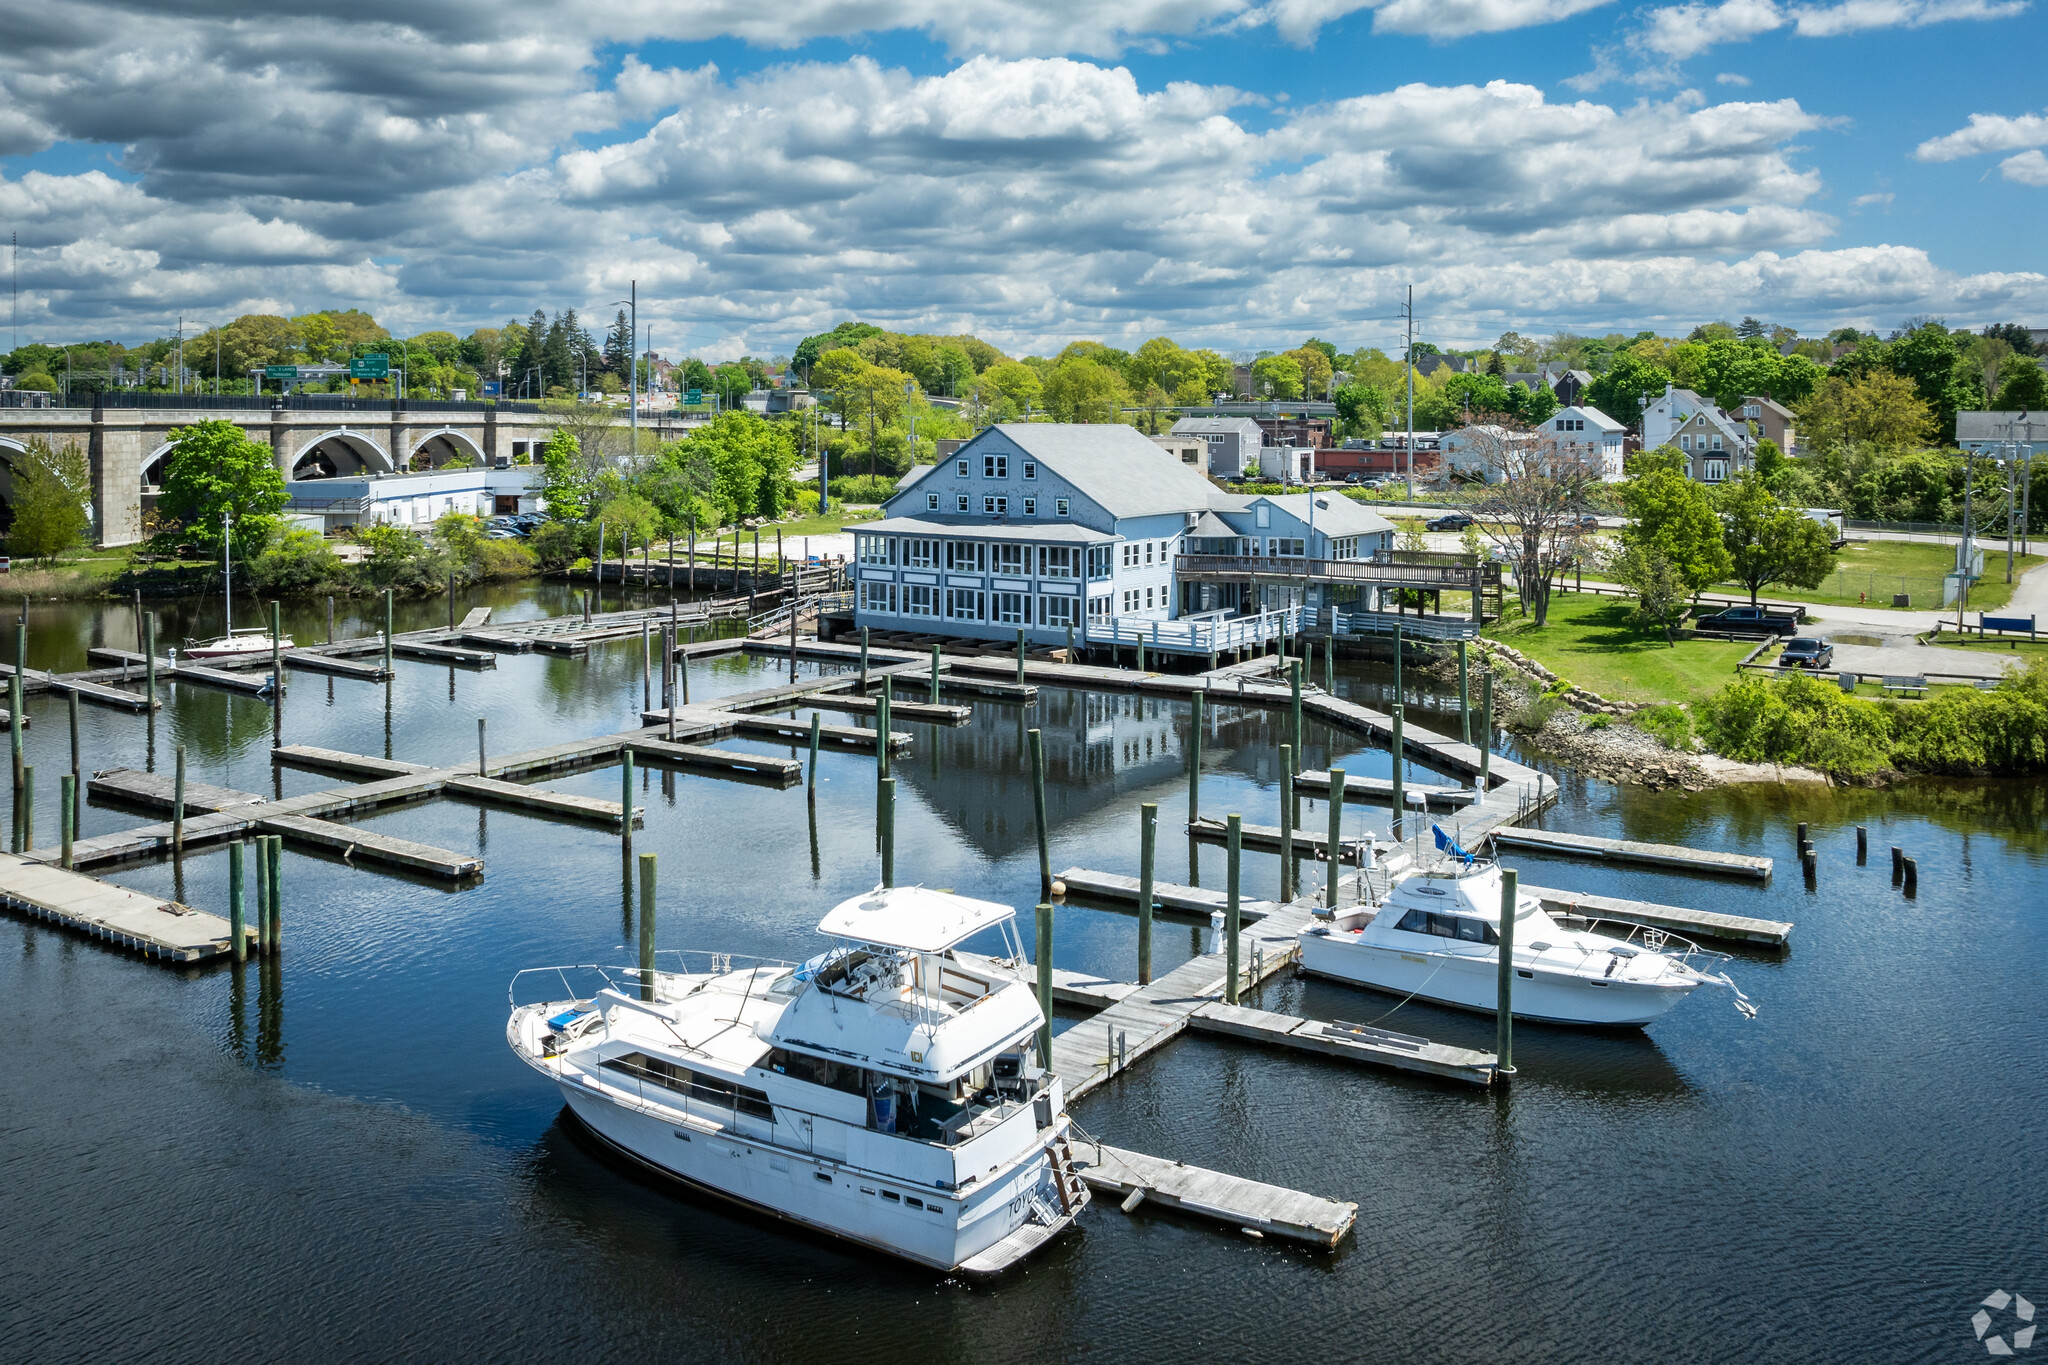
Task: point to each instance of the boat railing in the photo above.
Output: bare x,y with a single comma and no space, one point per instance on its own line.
1654,940
597,976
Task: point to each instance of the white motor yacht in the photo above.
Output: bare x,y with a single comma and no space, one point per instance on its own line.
253,642
1437,938
885,1091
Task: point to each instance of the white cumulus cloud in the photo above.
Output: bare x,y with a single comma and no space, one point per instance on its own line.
1986,133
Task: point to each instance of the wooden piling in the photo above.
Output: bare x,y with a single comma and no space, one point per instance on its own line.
683,676
148,665
387,630
1809,862
276,871
935,678
1397,752
1037,755
1898,864
1464,693
263,942
1042,950
451,599
646,665
330,619
67,796
811,782
1195,759
882,727
885,814
482,769
28,808
178,805
1862,845
1232,911
863,658
1330,661
1486,732
1286,823
1336,845
647,926
1799,840
1020,658
1912,871
1397,662
792,625
238,930
1148,844
77,763
1294,682
626,792
1504,974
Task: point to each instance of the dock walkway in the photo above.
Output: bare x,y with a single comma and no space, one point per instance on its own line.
1253,1205
148,924
1630,851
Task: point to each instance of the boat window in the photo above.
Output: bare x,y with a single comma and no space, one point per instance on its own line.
815,1070
1415,922
696,1085
1472,930
1443,926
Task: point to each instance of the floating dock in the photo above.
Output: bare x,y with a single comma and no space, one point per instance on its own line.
310,758
1253,1206
661,753
561,805
157,792
1630,851
1351,1042
148,924
1379,791
352,843
1310,845
1187,902
1691,923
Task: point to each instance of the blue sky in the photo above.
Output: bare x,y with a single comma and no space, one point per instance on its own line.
1034,173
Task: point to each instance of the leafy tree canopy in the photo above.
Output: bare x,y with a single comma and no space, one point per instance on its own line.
213,468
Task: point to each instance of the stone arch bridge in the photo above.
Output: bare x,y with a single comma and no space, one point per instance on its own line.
126,442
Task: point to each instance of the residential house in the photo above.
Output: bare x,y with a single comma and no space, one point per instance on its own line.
1591,435
1713,447
1570,386
1233,442
1426,365
1316,432
1471,452
1770,420
1288,464
1664,415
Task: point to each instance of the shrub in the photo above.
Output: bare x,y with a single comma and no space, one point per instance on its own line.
402,561
556,544
807,502
1666,721
1599,722
862,489
1799,720
298,561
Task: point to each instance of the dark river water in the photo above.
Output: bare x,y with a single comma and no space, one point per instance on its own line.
341,1160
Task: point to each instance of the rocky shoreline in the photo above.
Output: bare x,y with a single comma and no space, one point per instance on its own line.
1624,754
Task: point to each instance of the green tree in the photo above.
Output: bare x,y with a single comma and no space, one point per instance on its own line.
1769,542
1277,375
214,469
1361,409
1661,591
1084,390
2023,387
1672,523
52,492
1007,389
725,464
1628,385
1879,409
565,479
769,498
37,381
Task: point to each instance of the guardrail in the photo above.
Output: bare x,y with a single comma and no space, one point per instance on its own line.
295,402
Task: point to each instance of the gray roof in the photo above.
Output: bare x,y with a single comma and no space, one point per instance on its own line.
1212,527
986,528
1595,416
1114,465
1190,426
1335,514
915,472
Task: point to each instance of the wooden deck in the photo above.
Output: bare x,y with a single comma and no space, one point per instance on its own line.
660,753
147,924
490,791
1232,1200
158,792
1629,851
311,758
370,845
1350,1042
1367,791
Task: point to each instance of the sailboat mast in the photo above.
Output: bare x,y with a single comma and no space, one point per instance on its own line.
227,573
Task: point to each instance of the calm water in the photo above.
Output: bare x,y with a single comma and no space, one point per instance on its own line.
342,1161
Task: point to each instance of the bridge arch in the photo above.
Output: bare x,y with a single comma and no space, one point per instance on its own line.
435,448
338,453
10,450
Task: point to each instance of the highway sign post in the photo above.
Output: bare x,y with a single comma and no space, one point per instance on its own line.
370,367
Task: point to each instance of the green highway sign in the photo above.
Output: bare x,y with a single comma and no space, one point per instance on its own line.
370,367
694,396
280,372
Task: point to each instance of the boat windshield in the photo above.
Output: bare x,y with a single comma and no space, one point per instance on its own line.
1462,927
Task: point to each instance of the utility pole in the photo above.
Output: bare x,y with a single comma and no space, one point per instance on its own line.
633,367
16,238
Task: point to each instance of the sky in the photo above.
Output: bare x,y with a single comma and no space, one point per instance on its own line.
1229,173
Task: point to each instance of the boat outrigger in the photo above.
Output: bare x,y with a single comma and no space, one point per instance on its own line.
233,644
1437,937
887,1091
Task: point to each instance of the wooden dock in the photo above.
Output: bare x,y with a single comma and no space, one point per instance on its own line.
32,680
561,805
352,843
148,924
1676,918
1134,1179
1186,902
313,759
1629,851
496,640
1351,1042
1075,990
314,662
899,709
1309,844
660,753
158,792
476,619
1379,791
251,683
444,654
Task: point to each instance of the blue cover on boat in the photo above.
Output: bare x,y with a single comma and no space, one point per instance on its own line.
565,1018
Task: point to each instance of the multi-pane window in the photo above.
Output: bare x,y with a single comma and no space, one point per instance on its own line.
873,550
995,507
1098,564
1059,507
1008,559
1286,547
960,467
1057,611
1031,507
960,502
1057,561
920,601
878,597
1099,607
1130,554
1012,608
967,556
995,466
1717,470
931,502
1030,469
920,554
963,604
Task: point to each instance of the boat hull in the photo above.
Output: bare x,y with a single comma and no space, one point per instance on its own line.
939,1229
216,650
1472,982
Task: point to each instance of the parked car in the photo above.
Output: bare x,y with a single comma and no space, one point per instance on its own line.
1807,651
1449,521
1587,522
1748,621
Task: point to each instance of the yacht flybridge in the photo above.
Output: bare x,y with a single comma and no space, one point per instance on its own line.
253,642
885,1091
1437,937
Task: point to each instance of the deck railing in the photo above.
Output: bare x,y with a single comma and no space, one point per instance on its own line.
1198,635
1361,571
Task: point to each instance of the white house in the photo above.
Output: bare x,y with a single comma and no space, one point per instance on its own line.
1590,435
1663,416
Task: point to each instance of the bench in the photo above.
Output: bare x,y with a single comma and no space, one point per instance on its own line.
2002,625
1910,685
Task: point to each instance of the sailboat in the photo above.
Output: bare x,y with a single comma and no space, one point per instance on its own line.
252,642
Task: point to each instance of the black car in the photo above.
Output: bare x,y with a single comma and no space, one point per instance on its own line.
1748,621
1807,652
1449,521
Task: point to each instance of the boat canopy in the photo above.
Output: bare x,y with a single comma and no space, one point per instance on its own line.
911,918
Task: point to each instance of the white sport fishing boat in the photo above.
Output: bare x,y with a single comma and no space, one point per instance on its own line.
886,1091
1437,938
234,644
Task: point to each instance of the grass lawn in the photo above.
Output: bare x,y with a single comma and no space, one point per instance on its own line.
2011,644
1589,640
833,522
1868,573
